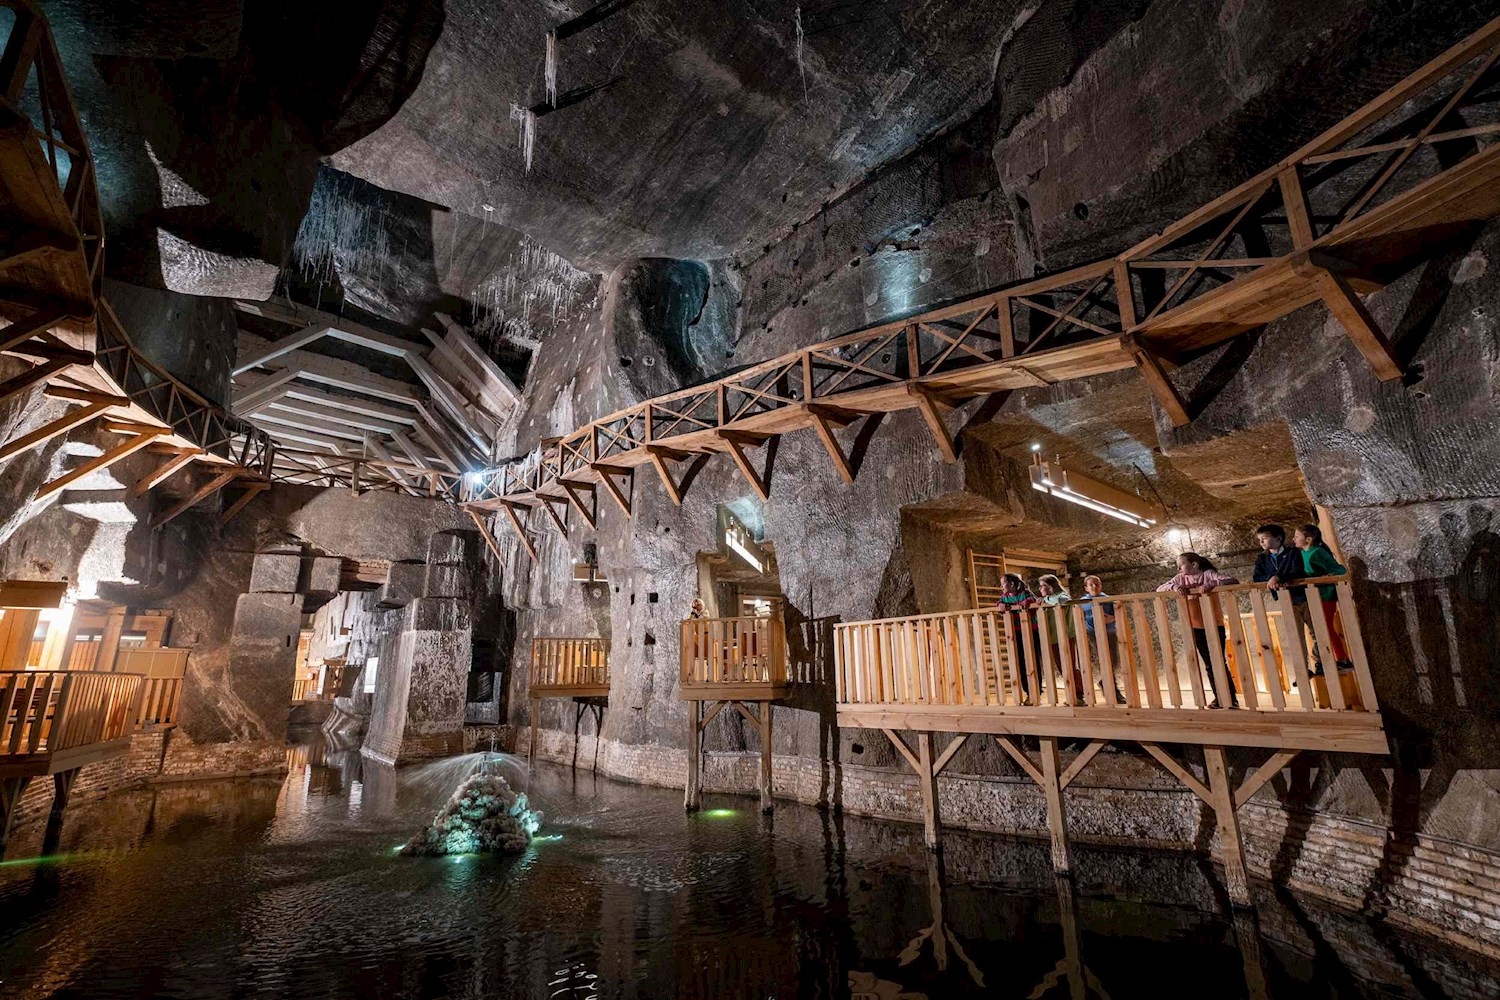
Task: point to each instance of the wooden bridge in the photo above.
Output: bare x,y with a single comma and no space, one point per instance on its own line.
1042,674
1368,199
576,668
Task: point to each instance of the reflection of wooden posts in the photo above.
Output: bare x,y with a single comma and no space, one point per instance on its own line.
1053,780
692,791
1247,938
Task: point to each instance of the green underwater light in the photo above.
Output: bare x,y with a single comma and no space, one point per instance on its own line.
720,813
44,859
550,836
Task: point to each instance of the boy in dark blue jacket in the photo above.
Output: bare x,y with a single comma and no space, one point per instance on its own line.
1280,565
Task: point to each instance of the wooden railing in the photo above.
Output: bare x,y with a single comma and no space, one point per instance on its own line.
569,663
1046,656
159,702
46,711
733,651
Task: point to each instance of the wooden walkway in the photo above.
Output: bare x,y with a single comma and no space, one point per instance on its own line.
576,668
1041,675
1376,194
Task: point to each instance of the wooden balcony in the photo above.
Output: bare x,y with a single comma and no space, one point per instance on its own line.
569,668
1040,674
59,720
161,684
733,659
976,672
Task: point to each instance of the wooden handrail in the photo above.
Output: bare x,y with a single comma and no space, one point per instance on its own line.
1046,657
569,662
733,651
44,711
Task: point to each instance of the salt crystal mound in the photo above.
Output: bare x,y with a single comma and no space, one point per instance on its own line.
483,816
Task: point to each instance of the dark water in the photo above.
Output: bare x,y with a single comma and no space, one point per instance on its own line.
291,889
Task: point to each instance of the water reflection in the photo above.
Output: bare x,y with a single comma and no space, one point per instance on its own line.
290,889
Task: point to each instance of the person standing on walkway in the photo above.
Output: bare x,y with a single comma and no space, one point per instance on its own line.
1016,597
1197,576
1318,560
1096,605
1279,565
1054,594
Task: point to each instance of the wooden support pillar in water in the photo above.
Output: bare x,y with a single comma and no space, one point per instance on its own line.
928,781
692,792
536,707
11,790
1057,819
767,803
1231,846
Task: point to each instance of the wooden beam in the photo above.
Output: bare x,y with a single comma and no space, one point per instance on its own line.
900,745
252,490
823,424
1179,772
948,752
691,790
1263,774
27,379
611,487
659,462
1008,744
573,488
1356,320
927,780
86,395
1082,761
255,358
212,486
484,532
1057,818
50,430
34,325
1161,387
519,529
104,461
737,443
928,408
547,502
1231,846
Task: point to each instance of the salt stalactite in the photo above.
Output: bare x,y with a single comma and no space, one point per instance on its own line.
538,285
549,70
528,131
483,816
339,231
801,68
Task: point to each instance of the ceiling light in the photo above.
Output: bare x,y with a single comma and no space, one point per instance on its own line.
1036,446
1051,478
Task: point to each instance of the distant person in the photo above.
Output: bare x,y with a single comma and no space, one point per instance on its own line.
1195,576
698,609
1099,613
1318,560
1016,597
1279,565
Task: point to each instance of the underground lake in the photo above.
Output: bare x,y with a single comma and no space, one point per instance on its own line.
294,888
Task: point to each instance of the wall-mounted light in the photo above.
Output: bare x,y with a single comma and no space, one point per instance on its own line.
1051,478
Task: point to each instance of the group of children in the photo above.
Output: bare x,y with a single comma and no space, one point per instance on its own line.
1277,566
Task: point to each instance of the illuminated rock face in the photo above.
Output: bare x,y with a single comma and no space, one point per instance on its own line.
483,817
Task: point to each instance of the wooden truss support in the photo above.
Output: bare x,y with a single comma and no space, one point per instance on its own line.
763,726
164,471
484,532
30,377
547,502
104,461
737,443
588,511
619,496
1155,375
824,419
11,790
50,430
252,490
519,528
659,457
209,488
37,324
1263,774
1345,305
927,403
927,769
1052,780
692,790
698,722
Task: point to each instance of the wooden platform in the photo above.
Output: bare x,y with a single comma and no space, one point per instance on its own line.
1338,218
568,667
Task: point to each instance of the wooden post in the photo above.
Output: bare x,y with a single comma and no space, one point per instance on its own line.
1057,821
109,642
11,790
536,707
928,781
767,803
692,792
1231,847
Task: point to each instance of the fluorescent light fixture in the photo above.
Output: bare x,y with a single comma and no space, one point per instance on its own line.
1051,478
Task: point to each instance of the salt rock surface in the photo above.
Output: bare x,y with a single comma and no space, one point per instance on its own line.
484,816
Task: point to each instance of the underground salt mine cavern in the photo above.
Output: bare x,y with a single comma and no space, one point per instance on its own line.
750,499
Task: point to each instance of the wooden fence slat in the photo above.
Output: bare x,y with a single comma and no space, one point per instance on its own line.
1142,628
1293,648
1325,649
1168,655
1245,667
1356,643
1215,651
1267,649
